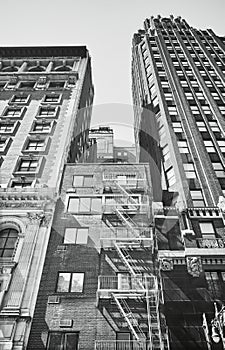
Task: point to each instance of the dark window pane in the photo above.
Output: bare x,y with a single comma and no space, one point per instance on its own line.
54,341
71,341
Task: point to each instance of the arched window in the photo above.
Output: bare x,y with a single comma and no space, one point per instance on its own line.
8,240
63,68
10,69
37,69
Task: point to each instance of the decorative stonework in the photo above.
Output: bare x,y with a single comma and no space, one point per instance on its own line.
20,204
5,270
194,265
39,218
211,243
166,264
221,203
35,218
46,220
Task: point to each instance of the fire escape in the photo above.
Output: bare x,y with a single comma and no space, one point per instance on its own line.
135,287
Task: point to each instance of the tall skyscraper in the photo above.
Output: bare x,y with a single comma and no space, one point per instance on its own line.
45,106
178,82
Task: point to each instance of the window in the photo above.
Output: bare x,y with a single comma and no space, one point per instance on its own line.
197,198
201,126
207,229
85,204
165,153
221,145
6,127
209,146
172,110
13,112
8,240
70,282
219,170
83,181
20,99
21,184
162,131
47,111
189,170
177,127
5,143
35,145
75,235
195,110
170,177
42,126
215,283
183,147
27,165
2,144
63,341
51,98
56,84
26,85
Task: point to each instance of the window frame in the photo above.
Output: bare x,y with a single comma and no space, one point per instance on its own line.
205,233
43,150
39,160
83,180
15,126
76,233
19,87
20,115
25,102
71,273
62,340
46,108
8,141
51,94
52,124
81,205
197,199
56,87
8,238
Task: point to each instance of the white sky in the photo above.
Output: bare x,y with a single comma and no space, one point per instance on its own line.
106,27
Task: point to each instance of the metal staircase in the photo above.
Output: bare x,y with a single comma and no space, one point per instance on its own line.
145,287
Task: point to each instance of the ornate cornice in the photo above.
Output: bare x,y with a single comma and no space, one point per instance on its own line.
43,51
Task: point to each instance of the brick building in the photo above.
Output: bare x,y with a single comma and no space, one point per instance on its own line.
99,285
105,149
45,106
178,82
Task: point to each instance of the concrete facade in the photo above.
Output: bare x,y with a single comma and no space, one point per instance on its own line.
179,96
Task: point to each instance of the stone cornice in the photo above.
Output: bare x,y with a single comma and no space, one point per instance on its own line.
43,51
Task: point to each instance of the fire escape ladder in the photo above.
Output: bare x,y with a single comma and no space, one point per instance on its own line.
155,335
124,191
129,317
142,287
128,221
128,261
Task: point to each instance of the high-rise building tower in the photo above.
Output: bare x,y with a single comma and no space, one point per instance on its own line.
178,81
46,95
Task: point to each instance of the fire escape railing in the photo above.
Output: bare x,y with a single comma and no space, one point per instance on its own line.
140,286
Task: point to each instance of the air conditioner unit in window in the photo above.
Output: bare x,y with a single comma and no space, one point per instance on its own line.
61,248
66,323
187,232
53,299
